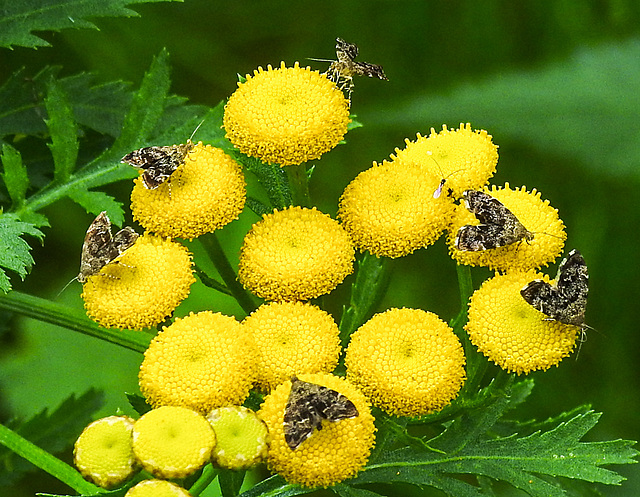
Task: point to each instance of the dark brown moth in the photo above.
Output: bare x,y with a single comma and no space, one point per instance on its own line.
308,405
566,301
100,248
158,163
342,70
498,225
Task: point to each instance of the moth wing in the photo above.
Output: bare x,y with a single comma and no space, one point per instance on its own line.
474,238
488,209
98,248
334,406
124,239
301,415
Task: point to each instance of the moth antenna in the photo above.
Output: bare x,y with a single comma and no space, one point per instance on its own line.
195,130
320,60
438,191
65,287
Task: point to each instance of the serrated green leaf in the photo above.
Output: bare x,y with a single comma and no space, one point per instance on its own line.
272,177
63,130
138,403
344,490
147,106
276,486
96,202
53,432
257,207
14,174
43,460
585,107
20,19
14,251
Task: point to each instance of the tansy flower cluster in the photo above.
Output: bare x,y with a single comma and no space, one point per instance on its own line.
314,427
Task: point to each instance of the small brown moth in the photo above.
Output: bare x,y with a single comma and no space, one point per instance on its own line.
308,405
158,163
499,226
100,248
342,70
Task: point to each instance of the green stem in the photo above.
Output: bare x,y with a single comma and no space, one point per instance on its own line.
51,312
209,474
476,363
47,462
299,184
212,245
371,282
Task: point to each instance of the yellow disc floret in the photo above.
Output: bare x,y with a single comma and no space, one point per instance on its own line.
464,158
330,455
202,195
292,338
103,453
535,214
142,287
512,333
295,254
390,209
407,361
156,488
203,361
241,437
172,442
286,116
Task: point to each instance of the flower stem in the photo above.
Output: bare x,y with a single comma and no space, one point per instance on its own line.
372,278
51,312
212,245
209,474
299,184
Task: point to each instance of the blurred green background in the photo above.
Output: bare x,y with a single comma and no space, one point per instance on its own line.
556,82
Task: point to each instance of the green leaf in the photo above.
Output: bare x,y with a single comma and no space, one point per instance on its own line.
14,251
230,482
45,461
96,202
276,486
585,107
63,131
138,402
15,174
272,177
347,491
53,432
20,19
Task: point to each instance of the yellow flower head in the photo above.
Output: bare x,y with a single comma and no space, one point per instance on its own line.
535,214
156,488
241,437
295,254
408,362
172,442
142,287
512,333
103,453
330,455
464,157
390,210
204,194
202,362
292,338
286,116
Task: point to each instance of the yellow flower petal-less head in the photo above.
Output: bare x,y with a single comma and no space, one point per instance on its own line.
512,333
286,116
330,455
202,361
204,194
407,361
295,254
142,287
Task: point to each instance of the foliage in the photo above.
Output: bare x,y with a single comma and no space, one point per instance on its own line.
88,127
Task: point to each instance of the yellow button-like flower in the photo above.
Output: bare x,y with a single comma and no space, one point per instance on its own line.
390,210
142,287
535,214
330,455
295,254
464,158
286,116
172,442
292,338
512,333
204,194
203,361
241,437
103,453
156,488
407,361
